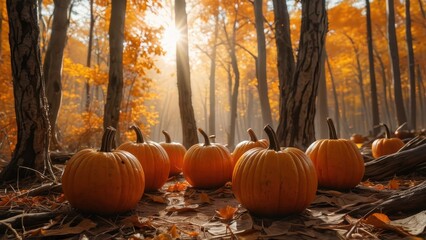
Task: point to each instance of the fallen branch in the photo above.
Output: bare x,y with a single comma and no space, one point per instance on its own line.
28,219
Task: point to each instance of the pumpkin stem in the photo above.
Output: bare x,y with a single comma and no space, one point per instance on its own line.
167,136
206,138
107,139
387,132
331,129
139,135
273,140
253,136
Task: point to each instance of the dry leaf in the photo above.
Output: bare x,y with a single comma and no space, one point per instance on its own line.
156,198
393,184
382,221
201,199
174,232
187,208
66,229
226,213
136,221
177,187
415,224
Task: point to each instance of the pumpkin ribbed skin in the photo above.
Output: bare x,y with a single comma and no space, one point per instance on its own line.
387,145
273,182
338,162
153,158
103,182
244,146
207,165
176,152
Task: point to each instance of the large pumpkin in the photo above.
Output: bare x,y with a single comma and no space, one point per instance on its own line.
273,182
207,165
246,145
176,152
338,162
104,181
386,145
153,158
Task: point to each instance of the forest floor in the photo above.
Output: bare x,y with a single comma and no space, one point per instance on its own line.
178,211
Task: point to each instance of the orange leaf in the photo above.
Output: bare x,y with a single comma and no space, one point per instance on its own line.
177,187
393,184
382,221
226,213
174,232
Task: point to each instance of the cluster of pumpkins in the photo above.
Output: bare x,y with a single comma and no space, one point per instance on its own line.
267,180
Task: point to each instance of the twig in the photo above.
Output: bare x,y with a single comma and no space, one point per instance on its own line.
9,226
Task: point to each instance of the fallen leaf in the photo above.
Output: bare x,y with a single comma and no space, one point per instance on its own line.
66,229
136,221
201,199
393,184
174,232
226,213
177,187
382,221
415,224
156,198
186,208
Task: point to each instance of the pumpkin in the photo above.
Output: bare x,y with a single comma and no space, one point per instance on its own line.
176,152
386,145
403,133
274,182
104,181
207,165
153,158
357,138
244,146
338,162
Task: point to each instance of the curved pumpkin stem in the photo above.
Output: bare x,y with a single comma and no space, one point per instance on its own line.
167,136
273,140
331,129
253,136
107,139
139,135
206,138
387,132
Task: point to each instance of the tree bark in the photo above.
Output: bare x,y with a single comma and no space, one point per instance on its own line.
421,94
31,111
262,81
385,89
115,83
322,104
212,113
373,85
300,92
336,99
52,67
411,66
394,60
89,55
189,126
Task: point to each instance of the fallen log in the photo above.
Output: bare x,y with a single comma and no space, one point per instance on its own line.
400,163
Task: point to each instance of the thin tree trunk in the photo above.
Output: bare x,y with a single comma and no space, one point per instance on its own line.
384,84
411,66
212,113
301,91
394,62
115,82
52,67
1,31
422,9
373,84
421,94
262,81
189,126
336,100
89,54
29,93
322,104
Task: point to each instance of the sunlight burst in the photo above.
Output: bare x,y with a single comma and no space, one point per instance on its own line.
170,37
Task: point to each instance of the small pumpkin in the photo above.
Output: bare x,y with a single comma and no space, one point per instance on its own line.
386,145
357,138
207,165
104,181
246,145
176,152
153,158
338,162
274,182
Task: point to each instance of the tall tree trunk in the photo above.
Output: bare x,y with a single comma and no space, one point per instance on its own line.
1,31
262,81
115,82
336,100
212,113
43,27
89,55
422,93
384,84
322,104
422,9
300,92
411,66
52,67
394,60
373,85
285,57
189,126
29,93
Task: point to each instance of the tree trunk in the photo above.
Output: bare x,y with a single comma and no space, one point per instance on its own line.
1,32
300,92
336,99
189,126
322,104
29,93
285,57
394,62
52,67
373,85
115,83
89,55
384,84
421,94
212,113
411,66
262,81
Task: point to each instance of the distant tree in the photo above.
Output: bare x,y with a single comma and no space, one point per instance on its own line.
212,78
189,126
89,53
411,66
31,150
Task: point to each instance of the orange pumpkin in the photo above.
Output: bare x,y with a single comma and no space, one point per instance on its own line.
104,181
207,165
357,138
273,182
153,158
386,145
338,162
176,152
244,146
